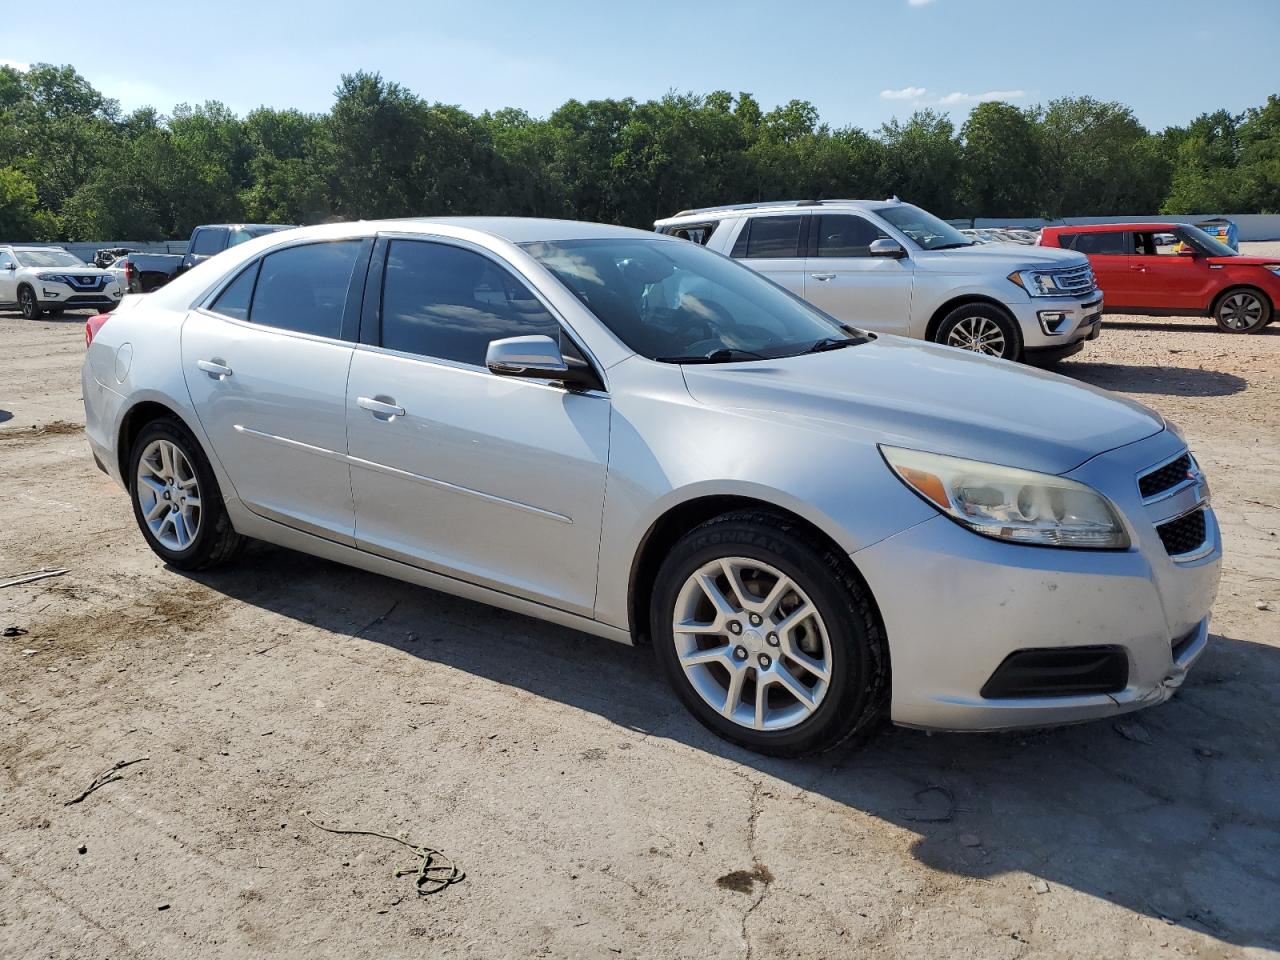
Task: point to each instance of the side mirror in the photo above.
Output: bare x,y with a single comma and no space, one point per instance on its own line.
536,356
884,247
11,265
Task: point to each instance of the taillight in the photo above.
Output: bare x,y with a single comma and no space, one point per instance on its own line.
93,325
128,273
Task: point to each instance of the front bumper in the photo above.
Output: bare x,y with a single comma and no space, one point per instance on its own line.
60,296
1054,327
956,605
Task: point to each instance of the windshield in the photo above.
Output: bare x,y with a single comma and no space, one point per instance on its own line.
923,227
1207,244
679,302
47,258
241,234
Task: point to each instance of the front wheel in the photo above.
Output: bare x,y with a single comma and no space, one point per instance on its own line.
981,328
768,638
1242,311
176,500
28,304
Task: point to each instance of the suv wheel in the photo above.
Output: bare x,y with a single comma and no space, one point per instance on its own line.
767,636
176,499
982,328
1242,311
28,304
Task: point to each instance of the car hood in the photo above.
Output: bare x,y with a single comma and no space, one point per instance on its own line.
927,397
73,271
1000,256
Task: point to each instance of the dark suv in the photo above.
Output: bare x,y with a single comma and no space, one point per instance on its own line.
211,239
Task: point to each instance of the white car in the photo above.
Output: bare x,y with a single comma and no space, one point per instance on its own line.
40,280
888,266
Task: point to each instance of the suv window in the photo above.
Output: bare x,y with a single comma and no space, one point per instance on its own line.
769,237
5,259
699,233
304,288
207,242
448,303
1107,243
846,236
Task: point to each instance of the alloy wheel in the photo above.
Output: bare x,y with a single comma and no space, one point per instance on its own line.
979,334
752,644
168,493
1240,311
27,303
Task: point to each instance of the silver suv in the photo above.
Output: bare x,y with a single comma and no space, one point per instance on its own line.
888,266
40,280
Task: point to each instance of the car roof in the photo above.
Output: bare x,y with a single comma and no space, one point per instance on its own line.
1104,227
771,206
513,229
242,226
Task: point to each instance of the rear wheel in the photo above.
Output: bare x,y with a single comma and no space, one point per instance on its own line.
176,500
768,638
1242,311
981,328
28,303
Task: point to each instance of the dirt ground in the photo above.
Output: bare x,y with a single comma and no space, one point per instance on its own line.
592,816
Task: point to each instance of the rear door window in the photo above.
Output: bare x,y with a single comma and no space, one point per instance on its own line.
770,238
304,288
846,236
1102,243
234,300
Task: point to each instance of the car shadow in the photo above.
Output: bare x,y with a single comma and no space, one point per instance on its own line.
1161,381
1184,325
1173,813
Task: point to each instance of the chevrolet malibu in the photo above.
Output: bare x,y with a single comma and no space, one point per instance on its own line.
630,435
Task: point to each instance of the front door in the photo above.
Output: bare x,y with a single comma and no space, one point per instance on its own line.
1109,253
266,365
843,279
1172,277
8,278
493,480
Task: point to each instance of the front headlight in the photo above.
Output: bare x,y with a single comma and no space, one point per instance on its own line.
51,277
1037,283
1020,506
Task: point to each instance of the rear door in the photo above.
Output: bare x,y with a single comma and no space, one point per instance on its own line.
843,278
266,363
1109,255
493,480
8,278
774,246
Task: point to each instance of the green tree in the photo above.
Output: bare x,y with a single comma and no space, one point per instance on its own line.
20,215
1000,163
922,161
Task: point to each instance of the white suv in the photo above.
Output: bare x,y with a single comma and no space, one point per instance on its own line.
48,279
888,266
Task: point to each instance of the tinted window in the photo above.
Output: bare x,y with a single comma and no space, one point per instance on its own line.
1101,243
699,233
846,236
5,259
774,237
234,300
446,302
305,288
207,242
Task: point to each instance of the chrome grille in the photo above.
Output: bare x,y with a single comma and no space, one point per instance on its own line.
1077,280
1164,478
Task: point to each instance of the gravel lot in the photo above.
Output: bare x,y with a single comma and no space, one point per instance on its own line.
593,817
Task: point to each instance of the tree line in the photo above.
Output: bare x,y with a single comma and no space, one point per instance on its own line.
73,166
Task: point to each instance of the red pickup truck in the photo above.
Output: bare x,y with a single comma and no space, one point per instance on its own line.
1174,269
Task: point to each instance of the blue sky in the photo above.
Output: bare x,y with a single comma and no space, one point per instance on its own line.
859,61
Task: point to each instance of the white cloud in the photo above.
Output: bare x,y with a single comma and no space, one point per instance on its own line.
906,93
919,3
958,98
20,67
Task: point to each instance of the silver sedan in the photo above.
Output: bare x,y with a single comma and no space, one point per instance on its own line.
630,435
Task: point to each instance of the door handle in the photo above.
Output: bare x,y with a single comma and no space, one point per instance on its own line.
822,276
215,368
383,409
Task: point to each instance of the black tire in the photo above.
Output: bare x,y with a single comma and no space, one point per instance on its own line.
1242,310
858,692
215,542
1011,348
28,303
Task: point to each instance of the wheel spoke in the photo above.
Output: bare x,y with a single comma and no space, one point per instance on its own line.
815,667
784,678
789,622
718,600
166,461
740,593
711,655
157,508
733,695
